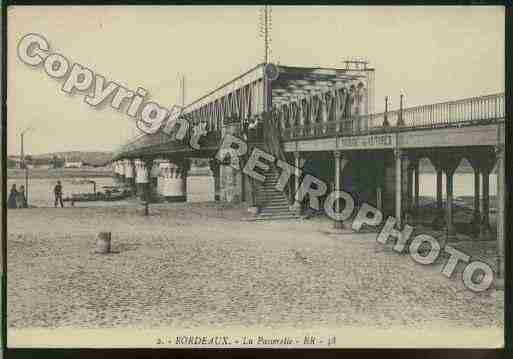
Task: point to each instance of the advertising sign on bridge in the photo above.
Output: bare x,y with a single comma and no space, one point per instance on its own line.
367,142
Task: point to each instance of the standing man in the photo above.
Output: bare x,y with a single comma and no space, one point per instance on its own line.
21,201
58,194
253,129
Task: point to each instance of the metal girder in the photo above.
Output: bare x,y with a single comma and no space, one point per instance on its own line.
306,92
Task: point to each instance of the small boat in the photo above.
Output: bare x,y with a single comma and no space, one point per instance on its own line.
110,193
81,181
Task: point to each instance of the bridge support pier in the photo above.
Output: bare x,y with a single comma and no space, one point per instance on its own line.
129,175
231,177
173,186
409,187
154,171
116,172
184,167
485,229
340,163
398,156
141,178
215,168
475,223
416,186
450,163
439,220
121,169
296,206
231,184
449,177
483,162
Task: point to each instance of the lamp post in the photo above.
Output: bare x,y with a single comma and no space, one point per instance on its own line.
400,120
385,119
22,135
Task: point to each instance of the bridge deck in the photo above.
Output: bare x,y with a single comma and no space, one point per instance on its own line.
316,108
471,135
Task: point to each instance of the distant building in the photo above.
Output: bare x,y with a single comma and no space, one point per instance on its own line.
78,164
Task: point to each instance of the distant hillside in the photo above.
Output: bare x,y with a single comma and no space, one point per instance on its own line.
94,157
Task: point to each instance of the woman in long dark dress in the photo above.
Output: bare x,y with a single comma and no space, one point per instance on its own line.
11,202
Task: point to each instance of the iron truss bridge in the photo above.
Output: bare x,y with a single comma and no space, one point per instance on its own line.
308,103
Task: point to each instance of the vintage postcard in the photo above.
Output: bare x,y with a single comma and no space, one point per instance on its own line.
255,176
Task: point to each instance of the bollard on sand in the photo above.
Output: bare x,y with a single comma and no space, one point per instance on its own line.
103,243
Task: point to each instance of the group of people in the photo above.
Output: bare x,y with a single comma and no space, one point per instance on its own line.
17,197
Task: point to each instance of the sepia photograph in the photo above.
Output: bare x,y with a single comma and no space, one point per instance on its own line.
255,176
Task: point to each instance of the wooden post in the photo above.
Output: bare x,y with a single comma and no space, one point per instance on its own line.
103,243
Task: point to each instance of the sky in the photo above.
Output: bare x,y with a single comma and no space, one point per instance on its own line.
432,53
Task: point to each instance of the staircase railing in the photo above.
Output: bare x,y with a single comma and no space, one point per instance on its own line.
273,140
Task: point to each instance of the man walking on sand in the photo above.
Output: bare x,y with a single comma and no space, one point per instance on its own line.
58,194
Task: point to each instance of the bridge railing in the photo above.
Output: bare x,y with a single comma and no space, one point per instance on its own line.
471,111
144,142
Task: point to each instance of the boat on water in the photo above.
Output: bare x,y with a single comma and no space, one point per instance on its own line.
110,193
81,181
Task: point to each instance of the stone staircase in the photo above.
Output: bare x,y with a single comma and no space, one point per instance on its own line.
273,204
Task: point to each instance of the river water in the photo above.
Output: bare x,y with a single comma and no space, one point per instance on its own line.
201,188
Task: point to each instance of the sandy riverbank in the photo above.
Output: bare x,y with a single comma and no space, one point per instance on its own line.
198,265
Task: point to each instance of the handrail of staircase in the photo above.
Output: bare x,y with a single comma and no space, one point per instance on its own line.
273,140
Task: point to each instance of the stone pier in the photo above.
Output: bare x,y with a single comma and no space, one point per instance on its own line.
172,182
215,167
230,172
130,174
141,178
